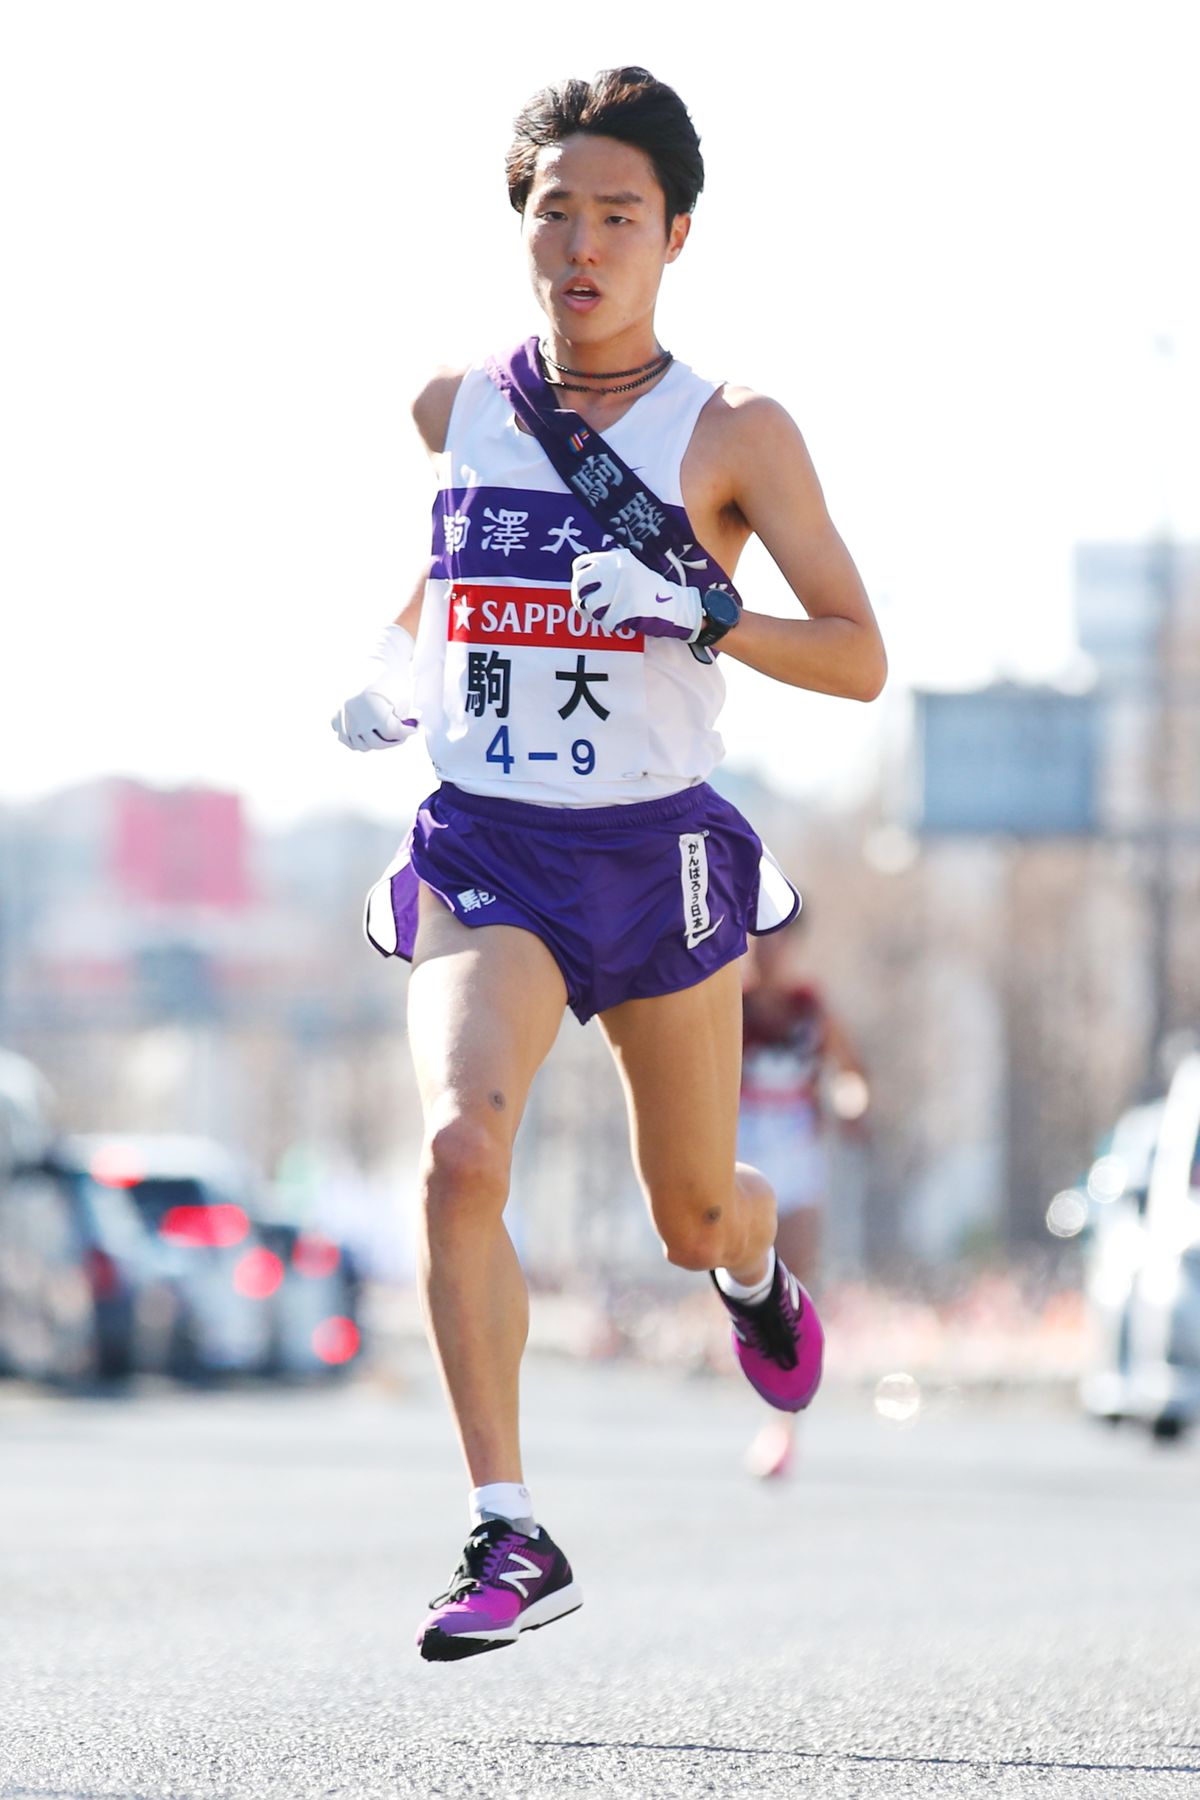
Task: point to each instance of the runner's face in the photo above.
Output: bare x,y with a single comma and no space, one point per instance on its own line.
595,232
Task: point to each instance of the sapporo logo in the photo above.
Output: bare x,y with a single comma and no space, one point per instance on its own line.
540,617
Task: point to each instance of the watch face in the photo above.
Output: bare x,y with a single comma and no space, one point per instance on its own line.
720,608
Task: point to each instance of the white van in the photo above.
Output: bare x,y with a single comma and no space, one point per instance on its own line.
1143,1265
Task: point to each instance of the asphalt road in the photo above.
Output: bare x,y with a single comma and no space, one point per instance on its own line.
214,1595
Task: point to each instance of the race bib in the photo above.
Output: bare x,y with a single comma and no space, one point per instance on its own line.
533,691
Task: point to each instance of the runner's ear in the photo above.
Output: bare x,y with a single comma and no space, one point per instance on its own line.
677,236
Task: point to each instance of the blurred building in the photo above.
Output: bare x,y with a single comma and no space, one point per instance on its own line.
124,898
174,969
1058,853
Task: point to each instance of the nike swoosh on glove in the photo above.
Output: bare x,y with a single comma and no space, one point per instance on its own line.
619,592
383,714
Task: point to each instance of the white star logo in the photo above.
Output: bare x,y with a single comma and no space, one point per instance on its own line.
462,613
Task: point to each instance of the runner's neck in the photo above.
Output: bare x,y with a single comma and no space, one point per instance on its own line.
625,351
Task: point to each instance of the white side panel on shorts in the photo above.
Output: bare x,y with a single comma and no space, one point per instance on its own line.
379,921
778,900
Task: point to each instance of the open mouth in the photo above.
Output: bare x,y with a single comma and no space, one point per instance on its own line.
580,293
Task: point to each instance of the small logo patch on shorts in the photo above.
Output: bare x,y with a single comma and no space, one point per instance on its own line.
693,874
471,899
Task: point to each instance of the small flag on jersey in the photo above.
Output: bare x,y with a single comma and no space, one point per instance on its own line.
579,439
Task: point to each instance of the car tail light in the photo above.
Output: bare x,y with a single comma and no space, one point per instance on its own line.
102,1274
116,1167
205,1227
315,1256
258,1274
337,1341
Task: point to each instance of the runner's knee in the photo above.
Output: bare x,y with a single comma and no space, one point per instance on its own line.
694,1235
465,1168
703,1225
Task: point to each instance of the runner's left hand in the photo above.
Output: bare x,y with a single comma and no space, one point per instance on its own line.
619,592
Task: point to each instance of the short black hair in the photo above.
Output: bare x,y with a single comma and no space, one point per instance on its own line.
627,104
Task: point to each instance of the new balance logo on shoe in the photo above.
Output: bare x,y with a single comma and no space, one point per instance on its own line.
476,1614
520,1571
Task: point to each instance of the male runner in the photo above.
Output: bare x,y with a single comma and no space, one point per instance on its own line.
796,1058
574,854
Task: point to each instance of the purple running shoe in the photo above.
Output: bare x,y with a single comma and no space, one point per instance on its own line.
505,1584
779,1342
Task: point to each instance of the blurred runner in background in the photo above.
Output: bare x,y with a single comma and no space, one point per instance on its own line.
798,1065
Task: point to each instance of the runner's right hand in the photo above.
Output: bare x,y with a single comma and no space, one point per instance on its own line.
383,714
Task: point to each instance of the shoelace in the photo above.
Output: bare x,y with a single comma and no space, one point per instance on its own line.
480,1557
769,1330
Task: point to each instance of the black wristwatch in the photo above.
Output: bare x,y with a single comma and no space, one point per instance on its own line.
721,614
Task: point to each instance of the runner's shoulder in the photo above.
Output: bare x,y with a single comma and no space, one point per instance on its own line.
742,415
742,432
433,405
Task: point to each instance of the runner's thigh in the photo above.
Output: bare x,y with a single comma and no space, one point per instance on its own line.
484,1006
680,1057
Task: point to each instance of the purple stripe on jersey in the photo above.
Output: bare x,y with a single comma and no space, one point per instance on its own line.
527,535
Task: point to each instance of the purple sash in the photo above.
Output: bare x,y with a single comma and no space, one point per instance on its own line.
617,499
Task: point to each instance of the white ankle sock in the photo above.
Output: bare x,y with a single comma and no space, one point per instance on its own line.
503,1500
749,1296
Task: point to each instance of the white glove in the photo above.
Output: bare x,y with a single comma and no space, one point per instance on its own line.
383,714
615,589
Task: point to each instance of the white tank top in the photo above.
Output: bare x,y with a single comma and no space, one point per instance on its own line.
518,693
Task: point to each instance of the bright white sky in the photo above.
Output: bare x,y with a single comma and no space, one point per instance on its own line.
237,235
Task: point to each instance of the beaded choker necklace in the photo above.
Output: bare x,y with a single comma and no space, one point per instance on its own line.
646,372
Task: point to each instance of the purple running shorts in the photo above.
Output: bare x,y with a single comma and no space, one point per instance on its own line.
632,901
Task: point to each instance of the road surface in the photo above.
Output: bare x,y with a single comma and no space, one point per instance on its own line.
214,1595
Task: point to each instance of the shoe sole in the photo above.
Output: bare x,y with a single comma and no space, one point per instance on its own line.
452,1646
785,1403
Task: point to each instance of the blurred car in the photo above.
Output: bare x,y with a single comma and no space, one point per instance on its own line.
136,1297
47,1313
1114,1199
47,1320
26,1105
194,1202
1142,1261
317,1328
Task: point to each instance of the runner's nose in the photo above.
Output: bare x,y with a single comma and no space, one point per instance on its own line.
582,246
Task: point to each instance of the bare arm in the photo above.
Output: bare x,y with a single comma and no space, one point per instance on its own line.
383,713
432,408
839,1049
837,649
849,1092
431,415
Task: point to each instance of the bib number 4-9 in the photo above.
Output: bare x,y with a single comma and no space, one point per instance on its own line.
500,752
